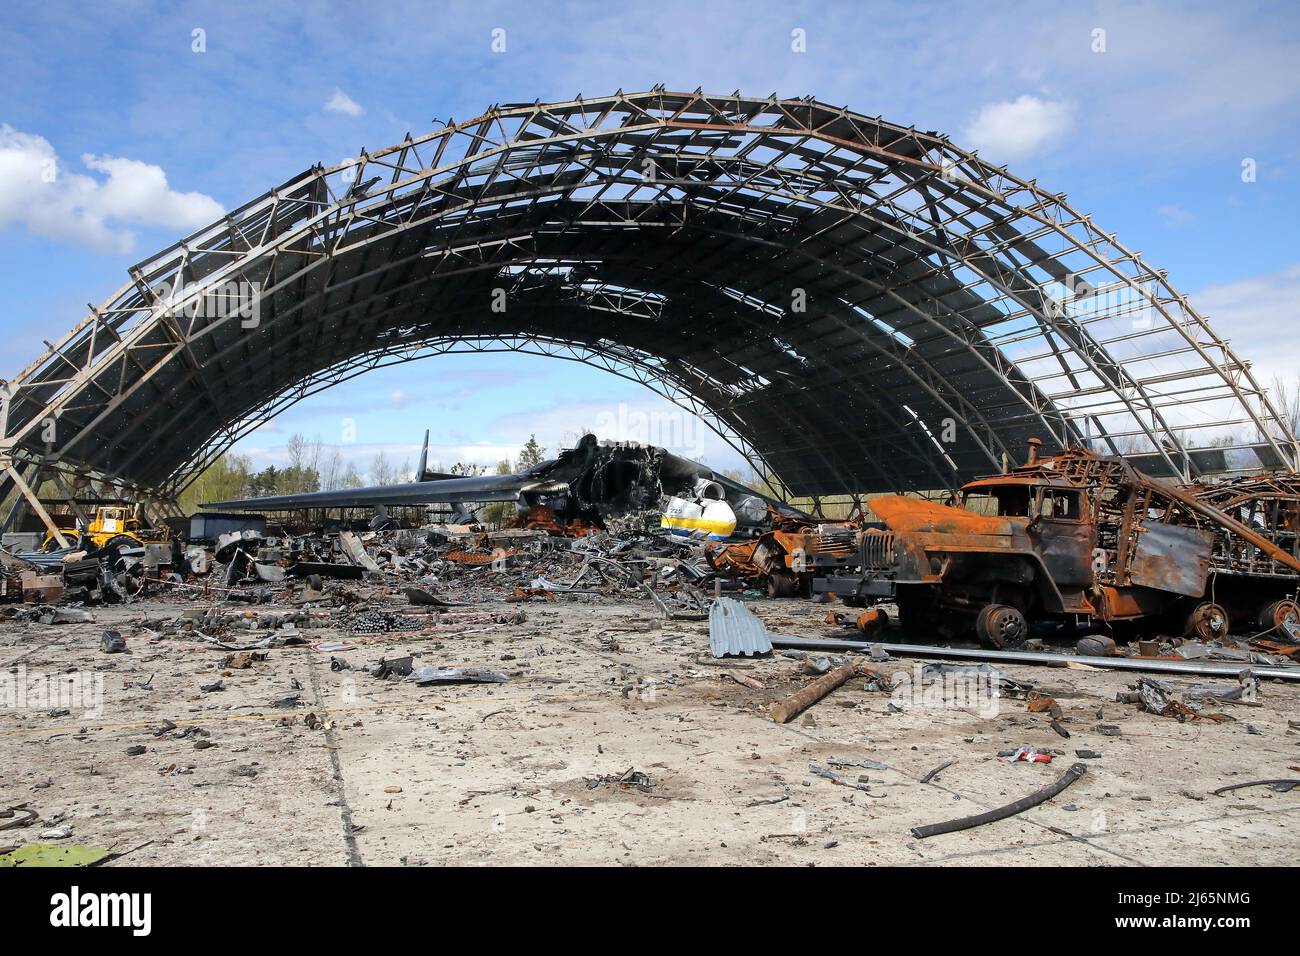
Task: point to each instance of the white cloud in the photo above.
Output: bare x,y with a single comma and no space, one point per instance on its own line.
1175,216
340,102
37,192
1015,129
1258,316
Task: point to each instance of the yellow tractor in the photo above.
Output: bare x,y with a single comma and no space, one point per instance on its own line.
112,525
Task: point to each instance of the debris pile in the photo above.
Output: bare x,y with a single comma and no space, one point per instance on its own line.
420,616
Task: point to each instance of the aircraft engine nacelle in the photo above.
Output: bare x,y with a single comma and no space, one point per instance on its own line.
707,490
706,518
751,510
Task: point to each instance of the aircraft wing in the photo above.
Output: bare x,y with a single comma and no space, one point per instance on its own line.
613,476
480,488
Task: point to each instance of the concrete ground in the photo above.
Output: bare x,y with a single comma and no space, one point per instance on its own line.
526,772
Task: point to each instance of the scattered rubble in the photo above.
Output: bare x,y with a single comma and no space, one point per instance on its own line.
479,619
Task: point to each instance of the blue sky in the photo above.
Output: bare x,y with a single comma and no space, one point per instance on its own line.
1149,136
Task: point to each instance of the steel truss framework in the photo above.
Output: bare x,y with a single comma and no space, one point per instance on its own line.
855,305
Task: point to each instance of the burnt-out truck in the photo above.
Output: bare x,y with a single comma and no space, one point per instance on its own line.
1073,538
786,557
1269,505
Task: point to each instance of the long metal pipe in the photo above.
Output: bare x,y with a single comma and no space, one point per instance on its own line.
1203,669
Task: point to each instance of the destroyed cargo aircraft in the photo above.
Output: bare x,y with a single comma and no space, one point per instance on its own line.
1076,537
582,487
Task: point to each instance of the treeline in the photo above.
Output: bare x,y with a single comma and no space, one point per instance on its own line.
312,466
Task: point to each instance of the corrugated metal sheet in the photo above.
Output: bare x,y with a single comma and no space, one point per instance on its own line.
733,629
46,560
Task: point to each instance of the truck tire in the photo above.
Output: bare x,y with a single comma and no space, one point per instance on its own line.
781,585
1001,626
1273,615
1207,622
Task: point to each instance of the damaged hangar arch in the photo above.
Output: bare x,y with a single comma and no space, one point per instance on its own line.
854,305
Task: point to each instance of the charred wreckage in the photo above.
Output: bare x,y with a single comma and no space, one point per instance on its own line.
1083,538
1064,545
865,312
878,322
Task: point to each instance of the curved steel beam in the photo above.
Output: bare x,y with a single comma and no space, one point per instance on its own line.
960,253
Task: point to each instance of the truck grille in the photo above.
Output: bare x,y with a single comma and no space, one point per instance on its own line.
877,550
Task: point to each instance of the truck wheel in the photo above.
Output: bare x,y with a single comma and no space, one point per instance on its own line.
1275,614
780,585
1207,622
1001,626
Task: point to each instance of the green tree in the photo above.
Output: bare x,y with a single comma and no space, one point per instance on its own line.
292,481
265,482
227,477
303,473
531,454
496,514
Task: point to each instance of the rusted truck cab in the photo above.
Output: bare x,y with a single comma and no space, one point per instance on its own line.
1011,549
